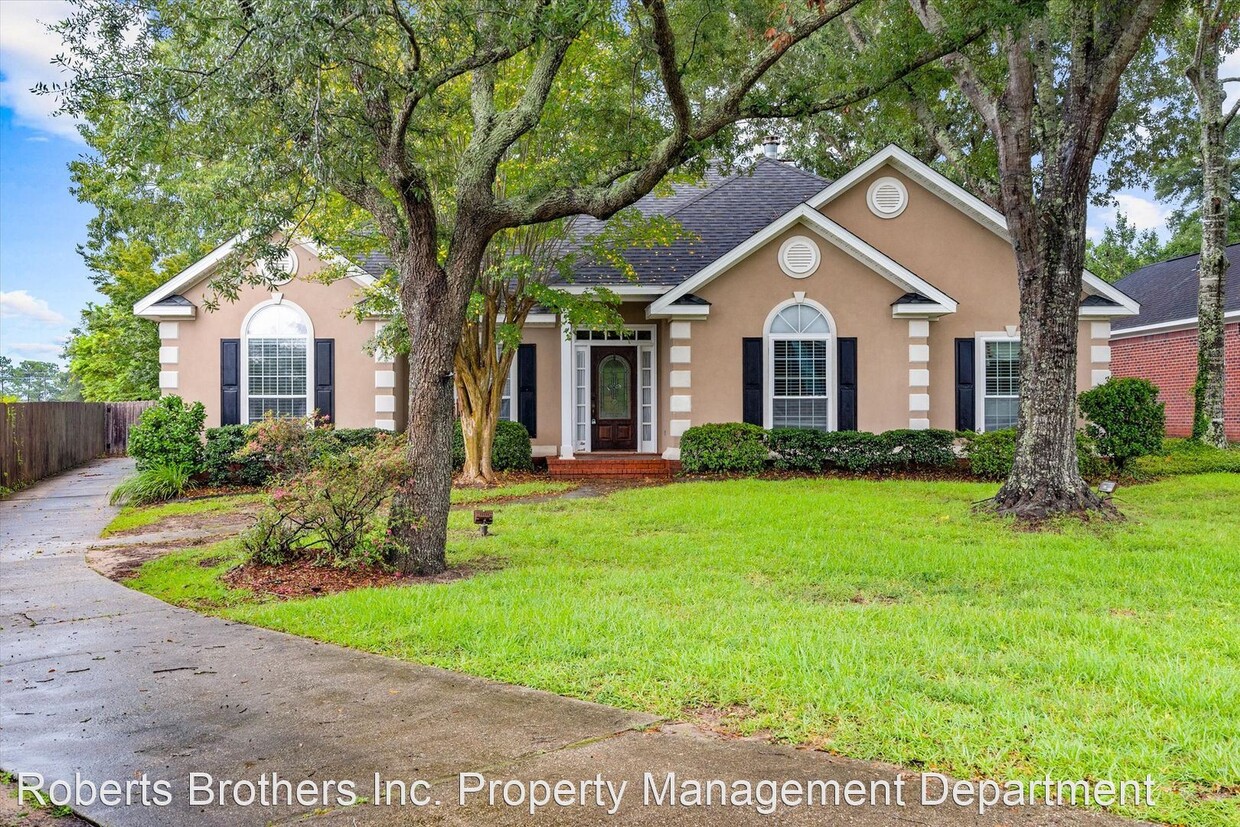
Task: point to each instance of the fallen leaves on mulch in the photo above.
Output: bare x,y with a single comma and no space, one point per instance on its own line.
305,578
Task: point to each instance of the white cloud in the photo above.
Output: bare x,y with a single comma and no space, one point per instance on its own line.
35,350
18,304
1143,213
26,52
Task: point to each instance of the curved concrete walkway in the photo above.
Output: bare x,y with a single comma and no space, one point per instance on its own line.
111,684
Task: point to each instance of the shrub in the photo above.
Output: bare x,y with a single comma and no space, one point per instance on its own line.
154,484
511,450
1125,418
331,509
252,454
222,463
799,449
326,441
284,443
1184,456
733,447
859,451
168,433
991,454
930,448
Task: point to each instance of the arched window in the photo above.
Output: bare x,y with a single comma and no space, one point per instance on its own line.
799,367
277,346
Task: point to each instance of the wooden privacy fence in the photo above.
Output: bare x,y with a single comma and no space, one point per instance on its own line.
38,439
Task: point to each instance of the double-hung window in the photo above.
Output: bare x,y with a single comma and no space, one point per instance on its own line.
1000,383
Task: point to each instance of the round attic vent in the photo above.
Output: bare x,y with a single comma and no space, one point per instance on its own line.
887,197
798,257
282,269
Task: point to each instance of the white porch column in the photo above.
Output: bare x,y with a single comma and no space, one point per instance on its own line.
566,392
385,387
919,374
680,381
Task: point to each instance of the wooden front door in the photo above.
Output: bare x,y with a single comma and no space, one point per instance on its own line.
613,403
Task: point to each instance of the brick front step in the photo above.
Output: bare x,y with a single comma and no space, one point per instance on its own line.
612,467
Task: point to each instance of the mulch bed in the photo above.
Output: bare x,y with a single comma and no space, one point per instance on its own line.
304,578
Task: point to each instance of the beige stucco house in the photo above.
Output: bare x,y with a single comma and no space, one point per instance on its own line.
885,299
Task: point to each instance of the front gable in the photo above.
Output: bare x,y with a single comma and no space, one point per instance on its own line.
943,230
823,233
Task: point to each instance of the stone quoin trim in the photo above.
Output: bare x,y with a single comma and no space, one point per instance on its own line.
1099,353
680,381
385,387
919,374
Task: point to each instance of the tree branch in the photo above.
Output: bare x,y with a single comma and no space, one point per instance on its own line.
669,71
962,69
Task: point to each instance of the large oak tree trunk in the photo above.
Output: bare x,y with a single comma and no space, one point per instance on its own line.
1045,476
434,312
1209,389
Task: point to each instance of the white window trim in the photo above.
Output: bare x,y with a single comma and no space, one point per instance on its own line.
570,344
245,355
979,373
513,392
768,360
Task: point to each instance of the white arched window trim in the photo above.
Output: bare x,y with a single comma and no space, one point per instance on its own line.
245,353
768,358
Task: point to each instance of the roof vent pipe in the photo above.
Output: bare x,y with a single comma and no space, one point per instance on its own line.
770,147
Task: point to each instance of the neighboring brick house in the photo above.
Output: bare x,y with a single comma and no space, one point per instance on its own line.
1160,343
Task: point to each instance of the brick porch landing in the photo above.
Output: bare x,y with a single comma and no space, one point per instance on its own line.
613,466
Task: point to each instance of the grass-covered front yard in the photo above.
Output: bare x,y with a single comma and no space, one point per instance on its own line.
133,517
874,619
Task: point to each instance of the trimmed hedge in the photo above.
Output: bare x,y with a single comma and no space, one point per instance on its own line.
733,447
991,454
224,466
859,451
511,450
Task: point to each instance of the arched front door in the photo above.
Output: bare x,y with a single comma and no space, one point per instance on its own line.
614,404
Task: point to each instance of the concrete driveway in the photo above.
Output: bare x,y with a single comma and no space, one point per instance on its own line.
111,685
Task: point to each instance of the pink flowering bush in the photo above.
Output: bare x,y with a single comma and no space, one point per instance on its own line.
331,511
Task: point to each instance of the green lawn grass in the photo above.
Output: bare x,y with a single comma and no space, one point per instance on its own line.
140,516
509,490
133,517
878,620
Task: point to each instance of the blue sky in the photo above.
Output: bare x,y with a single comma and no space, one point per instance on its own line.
43,283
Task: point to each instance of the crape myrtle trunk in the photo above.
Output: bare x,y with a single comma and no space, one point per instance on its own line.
1045,476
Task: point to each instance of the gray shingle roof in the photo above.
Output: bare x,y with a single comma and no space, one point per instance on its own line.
1168,290
717,215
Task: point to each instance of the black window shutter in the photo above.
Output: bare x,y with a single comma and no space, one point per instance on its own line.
325,378
751,380
230,381
966,410
527,388
846,404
